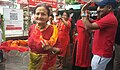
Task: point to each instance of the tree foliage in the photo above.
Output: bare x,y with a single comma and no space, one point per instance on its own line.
70,1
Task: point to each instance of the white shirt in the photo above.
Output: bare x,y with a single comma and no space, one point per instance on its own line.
71,15
0,35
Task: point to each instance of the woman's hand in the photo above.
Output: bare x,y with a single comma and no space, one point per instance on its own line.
84,11
45,45
84,8
55,50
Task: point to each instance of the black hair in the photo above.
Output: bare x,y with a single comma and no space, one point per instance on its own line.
68,14
52,15
44,5
49,6
71,9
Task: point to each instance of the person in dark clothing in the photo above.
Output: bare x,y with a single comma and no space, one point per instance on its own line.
72,20
1,52
117,44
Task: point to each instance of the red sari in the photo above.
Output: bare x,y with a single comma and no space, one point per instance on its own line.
41,59
64,36
82,46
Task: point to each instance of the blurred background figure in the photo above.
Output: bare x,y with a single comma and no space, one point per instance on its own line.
64,26
81,50
1,36
51,20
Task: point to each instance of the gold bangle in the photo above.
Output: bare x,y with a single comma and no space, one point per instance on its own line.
42,46
53,52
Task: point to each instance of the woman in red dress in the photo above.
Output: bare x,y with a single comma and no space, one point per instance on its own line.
64,26
43,41
81,50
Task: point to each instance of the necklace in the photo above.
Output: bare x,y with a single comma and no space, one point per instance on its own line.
41,28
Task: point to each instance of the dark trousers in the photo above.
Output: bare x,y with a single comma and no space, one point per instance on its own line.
117,57
1,55
79,68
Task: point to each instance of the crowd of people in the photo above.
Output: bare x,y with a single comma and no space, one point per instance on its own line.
50,40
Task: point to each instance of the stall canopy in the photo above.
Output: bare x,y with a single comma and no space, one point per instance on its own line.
53,3
6,3
84,2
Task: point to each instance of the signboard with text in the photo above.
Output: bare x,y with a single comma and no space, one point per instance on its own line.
13,22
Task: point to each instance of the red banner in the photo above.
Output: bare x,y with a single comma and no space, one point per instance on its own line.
22,1
53,3
85,1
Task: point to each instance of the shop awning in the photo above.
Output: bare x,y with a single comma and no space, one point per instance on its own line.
53,3
6,3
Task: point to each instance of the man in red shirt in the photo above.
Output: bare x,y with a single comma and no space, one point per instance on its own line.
105,31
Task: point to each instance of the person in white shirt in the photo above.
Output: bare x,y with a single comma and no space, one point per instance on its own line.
1,52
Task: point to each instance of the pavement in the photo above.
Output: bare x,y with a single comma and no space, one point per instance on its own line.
15,61
19,61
